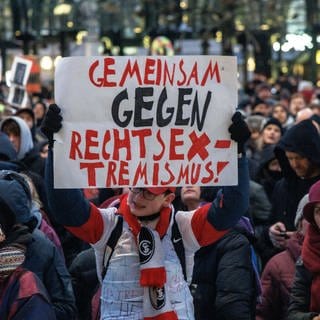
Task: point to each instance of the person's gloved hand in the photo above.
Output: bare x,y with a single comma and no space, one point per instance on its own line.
51,123
239,130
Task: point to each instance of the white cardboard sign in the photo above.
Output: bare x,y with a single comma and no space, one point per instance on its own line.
145,121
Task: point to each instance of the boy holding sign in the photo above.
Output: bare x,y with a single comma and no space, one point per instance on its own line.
144,279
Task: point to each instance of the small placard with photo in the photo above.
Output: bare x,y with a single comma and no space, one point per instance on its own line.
18,96
20,71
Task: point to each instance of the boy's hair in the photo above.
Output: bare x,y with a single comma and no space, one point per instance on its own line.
11,127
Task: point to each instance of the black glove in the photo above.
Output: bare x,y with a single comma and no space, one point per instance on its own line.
51,123
239,130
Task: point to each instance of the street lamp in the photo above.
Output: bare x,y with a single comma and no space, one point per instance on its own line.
62,10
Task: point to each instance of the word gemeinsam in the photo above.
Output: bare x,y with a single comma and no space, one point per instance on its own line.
153,71
162,115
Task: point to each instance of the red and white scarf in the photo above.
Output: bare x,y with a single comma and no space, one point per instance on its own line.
156,305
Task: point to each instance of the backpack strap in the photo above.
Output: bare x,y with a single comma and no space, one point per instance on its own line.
176,239
177,242
110,245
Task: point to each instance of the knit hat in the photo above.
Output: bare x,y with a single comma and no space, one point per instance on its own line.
302,138
273,121
314,197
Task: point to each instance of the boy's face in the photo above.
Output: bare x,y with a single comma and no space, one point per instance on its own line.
15,140
271,134
140,206
27,118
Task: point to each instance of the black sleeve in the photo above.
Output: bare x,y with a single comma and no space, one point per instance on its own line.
235,283
300,295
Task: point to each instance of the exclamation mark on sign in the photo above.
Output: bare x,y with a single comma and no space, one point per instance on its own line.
221,144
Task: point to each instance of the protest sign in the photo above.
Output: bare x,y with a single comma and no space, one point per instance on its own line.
19,75
145,121
20,71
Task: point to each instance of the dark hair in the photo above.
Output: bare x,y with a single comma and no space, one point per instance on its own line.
10,126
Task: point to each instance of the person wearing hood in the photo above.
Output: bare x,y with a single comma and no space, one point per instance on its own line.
8,154
28,115
304,300
42,257
298,153
269,170
21,138
43,221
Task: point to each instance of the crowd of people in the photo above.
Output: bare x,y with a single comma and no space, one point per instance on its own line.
247,252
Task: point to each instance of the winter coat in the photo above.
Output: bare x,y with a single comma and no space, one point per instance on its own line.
299,302
276,280
22,294
224,279
44,259
84,281
259,204
23,297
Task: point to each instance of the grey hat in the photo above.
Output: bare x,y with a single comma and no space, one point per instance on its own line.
255,122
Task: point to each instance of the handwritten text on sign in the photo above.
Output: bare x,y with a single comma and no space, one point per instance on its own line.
145,121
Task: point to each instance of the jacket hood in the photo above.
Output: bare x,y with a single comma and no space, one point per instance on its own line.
7,150
26,142
245,227
267,155
15,197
